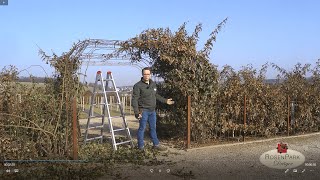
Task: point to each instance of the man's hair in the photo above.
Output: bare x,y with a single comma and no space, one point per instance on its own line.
146,68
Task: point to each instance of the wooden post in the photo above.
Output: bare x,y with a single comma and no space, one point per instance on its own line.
118,104
189,122
244,116
130,98
74,130
92,111
82,99
125,103
288,123
81,102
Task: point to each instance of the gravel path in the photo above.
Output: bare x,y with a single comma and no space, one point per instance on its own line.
231,161
237,161
241,161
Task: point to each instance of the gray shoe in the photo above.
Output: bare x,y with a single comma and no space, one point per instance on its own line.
160,147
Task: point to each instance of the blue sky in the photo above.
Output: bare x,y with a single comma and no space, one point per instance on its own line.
284,32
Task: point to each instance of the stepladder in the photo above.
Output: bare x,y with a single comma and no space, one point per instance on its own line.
107,90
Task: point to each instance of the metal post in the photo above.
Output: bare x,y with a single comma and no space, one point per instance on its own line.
130,98
74,130
189,122
244,116
123,103
82,103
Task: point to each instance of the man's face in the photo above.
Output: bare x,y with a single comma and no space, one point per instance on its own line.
146,75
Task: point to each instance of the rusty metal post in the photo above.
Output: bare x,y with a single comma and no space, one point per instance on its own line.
74,130
189,122
288,123
244,116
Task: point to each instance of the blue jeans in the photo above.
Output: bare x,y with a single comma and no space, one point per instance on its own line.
150,117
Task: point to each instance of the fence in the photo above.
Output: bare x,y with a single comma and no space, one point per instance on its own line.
242,125
125,100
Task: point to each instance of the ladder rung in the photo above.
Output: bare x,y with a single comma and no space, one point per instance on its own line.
115,130
114,103
94,127
98,137
98,104
123,142
116,117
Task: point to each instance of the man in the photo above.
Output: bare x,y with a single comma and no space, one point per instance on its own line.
144,103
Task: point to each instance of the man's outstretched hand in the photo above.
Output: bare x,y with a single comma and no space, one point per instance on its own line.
138,116
169,101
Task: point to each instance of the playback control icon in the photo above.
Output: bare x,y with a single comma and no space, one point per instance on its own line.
159,170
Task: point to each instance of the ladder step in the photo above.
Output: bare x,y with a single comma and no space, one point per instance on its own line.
98,104
94,127
115,117
114,103
123,142
98,137
115,130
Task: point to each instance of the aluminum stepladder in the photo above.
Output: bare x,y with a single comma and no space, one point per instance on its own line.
102,87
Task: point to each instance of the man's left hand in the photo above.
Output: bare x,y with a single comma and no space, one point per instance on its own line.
169,101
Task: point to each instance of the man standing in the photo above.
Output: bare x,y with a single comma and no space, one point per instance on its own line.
144,104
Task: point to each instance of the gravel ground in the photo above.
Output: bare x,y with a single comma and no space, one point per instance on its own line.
117,123
231,161
238,161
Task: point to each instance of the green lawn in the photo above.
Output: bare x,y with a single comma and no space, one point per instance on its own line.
97,110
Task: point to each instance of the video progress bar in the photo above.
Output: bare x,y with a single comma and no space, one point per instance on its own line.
36,161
